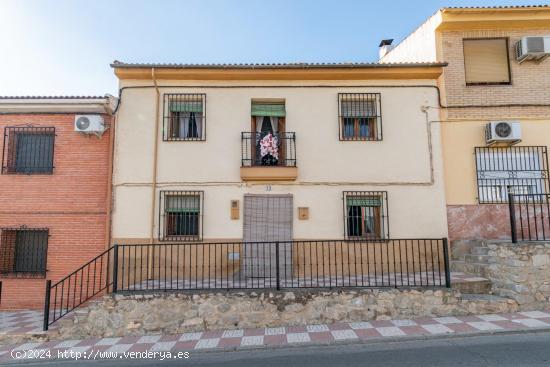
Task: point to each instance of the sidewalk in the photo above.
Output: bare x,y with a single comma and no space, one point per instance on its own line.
372,331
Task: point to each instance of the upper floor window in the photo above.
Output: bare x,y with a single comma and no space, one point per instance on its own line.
181,215
365,215
360,116
486,61
23,251
184,117
519,170
28,150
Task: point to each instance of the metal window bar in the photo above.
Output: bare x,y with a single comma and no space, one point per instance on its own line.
181,215
268,150
184,117
23,251
366,215
28,150
529,217
520,170
360,116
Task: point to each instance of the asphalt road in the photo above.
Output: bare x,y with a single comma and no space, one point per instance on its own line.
495,350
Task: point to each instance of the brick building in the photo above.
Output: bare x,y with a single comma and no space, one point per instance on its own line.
54,207
485,81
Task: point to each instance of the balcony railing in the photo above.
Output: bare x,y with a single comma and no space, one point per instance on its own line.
260,149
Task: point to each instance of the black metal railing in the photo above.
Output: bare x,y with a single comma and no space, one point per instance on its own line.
519,169
90,280
529,217
268,149
28,150
23,251
184,117
252,265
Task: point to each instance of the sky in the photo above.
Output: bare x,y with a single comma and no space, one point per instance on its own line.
64,47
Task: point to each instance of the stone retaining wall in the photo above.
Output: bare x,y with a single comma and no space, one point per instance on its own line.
521,272
120,315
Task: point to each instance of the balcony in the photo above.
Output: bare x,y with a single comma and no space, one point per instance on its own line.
268,156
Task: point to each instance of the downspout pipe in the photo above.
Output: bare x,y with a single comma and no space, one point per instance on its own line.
155,157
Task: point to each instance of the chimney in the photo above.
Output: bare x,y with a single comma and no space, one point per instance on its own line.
385,46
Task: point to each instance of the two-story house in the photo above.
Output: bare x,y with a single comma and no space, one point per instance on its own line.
277,152
495,111
55,184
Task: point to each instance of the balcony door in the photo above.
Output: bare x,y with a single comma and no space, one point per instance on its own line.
267,220
269,131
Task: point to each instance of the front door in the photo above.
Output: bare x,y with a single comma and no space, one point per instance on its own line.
267,220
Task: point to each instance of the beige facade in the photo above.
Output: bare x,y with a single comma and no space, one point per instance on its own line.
406,163
466,109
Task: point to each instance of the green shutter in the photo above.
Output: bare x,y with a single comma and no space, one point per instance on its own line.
364,201
186,106
183,210
268,109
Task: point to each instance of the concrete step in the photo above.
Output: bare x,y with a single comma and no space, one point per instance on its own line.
473,287
478,259
459,248
473,269
479,251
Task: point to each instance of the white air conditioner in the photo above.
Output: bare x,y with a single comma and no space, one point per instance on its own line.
533,48
89,124
503,132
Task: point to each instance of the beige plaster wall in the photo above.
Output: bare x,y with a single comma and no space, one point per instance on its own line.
399,164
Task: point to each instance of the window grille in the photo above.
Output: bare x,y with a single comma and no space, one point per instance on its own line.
366,215
23,251
519,170
28,150
360,116
184,117
180,215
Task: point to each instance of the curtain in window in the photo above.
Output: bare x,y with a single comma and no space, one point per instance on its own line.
190,125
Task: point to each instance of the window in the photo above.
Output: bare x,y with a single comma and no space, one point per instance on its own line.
360,116
181,215
184,117
28,150
486,61
520,170
365,215
23,251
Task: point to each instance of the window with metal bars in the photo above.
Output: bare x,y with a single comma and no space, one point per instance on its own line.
180,215
366,215
28,150
360,116
23,251
519,170
184,117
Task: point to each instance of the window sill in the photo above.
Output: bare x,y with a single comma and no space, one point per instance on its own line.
22,275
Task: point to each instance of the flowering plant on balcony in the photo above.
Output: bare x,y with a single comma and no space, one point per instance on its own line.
269,149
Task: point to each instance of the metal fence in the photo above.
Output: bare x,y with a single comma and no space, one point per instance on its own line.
252,265
529,217
268,149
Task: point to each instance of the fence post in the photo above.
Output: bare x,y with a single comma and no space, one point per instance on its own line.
47,305
115,268
512,210
446,262
277,272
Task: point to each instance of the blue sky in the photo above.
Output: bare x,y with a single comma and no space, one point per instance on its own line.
64,47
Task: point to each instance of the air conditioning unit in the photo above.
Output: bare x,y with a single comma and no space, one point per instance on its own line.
503,132
533,48
89,124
